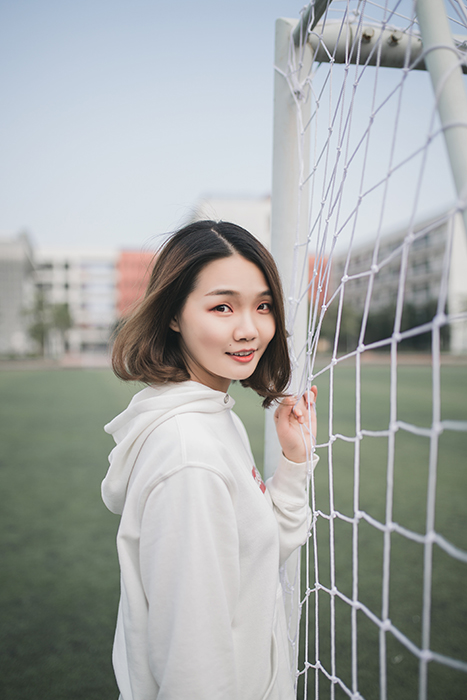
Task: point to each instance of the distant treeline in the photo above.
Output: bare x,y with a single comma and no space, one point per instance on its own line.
380,326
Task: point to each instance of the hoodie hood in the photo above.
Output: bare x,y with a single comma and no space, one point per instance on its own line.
147,410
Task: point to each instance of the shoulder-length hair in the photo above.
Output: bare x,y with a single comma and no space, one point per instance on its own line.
146,349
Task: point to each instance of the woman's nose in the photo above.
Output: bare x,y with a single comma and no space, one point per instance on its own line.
245,328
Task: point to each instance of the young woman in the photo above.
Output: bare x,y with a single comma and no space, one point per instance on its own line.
201,537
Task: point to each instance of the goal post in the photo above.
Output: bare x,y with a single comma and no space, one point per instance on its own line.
296,47
289,222
289,211
444,63
308,219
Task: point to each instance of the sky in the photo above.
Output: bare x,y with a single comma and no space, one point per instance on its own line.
118,116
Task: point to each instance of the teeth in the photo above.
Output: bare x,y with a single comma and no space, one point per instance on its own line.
242,354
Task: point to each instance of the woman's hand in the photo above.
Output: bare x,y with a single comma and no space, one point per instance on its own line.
293,422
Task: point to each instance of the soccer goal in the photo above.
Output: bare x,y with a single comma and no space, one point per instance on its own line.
369,231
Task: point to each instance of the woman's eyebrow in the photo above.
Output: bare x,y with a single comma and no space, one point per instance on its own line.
231,293
221,292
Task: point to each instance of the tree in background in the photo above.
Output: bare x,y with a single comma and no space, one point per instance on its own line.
45,318
380,326
40,320
349,327
62,320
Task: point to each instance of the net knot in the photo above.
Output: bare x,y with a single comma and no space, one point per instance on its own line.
439,319
386,626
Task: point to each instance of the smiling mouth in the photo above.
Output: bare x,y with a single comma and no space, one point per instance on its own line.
243,356
241,353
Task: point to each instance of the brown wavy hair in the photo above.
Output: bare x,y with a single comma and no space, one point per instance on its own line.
146,349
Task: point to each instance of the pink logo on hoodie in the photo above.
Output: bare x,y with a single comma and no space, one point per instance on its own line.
258,479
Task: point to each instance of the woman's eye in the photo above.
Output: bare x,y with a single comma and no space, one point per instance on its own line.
223,308
265,306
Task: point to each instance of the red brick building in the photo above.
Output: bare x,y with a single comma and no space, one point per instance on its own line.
133,271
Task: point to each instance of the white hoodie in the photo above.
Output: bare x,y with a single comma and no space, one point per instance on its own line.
200,542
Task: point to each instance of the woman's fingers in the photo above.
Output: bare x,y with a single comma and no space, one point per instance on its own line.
285,406
306,402
299,409
296,424
310,396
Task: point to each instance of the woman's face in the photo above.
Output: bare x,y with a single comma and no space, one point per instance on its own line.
226,323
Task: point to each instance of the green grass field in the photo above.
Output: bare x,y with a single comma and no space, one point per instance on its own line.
59,573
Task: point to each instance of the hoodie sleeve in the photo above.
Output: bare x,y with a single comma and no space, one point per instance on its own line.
189,558
288,493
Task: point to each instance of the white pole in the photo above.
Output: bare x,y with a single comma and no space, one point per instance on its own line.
289,201
289,226
442,60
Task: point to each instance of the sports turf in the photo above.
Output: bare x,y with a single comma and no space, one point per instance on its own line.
59,572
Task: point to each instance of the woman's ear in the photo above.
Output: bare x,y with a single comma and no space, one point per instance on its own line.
174,325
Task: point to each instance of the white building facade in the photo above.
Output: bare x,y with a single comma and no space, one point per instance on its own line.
426,261
85,280
16,295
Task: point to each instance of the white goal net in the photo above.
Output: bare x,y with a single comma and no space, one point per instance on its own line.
380,272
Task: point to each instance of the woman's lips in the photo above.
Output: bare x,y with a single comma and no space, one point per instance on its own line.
242,355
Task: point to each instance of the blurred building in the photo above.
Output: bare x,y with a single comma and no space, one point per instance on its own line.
92,288
133,272
98,286
457,292
16,294
86,281
426,262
